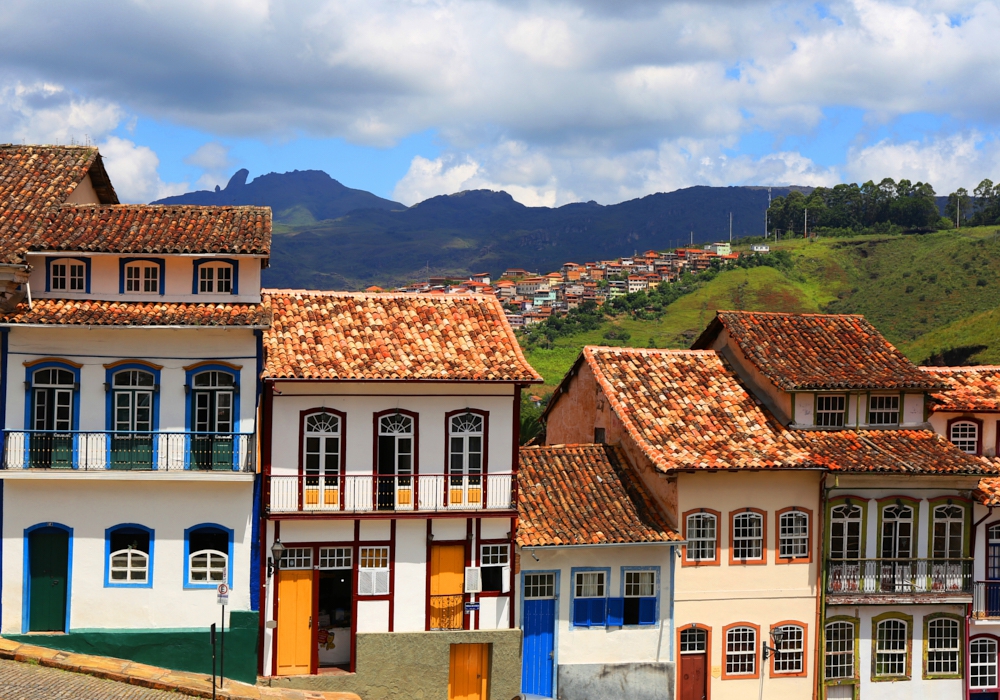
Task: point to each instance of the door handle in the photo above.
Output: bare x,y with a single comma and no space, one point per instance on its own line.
55,582
310,621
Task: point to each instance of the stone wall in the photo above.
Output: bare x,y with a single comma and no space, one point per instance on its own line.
641,681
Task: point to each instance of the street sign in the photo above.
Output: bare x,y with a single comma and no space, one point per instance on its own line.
223,589
471,607
223,600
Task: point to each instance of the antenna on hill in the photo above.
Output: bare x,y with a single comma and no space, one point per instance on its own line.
730,227
692,239
767,211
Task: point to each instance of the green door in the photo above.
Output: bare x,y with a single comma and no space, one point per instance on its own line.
48,552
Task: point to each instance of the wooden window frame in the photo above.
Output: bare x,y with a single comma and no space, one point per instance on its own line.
888,502
763,537
861,503
725,653
979,432
963,503
778,559
903,617
855,679
847,402
708,657
968,663
805,651
717,561
962,660
868,408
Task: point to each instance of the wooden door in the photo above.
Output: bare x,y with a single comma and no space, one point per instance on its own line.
693,677
48,553
295,623
469,672
447,586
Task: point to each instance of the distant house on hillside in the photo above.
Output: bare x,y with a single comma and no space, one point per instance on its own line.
760,248
720,248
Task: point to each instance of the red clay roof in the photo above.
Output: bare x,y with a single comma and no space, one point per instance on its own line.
584,494
145,228
817,351
686,409
971,389
109,313
351,336
35,178
988,492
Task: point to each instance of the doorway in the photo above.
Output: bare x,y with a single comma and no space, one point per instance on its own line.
469,672
694,664
539,633
295,609
447,592
48,569
333,628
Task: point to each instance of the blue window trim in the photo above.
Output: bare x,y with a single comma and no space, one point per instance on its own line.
232,262
26,575
572,592
187,556
123,262
109,406
189,382
108,583
86,273
555,631
29,376
4,351
659,589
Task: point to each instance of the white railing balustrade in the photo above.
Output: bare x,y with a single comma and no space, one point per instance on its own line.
895,577
363,493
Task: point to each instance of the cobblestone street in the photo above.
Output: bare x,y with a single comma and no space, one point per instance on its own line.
21,681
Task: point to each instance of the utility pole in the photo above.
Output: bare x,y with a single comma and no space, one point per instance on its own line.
958,216
767,212
730,228
805,224
692,239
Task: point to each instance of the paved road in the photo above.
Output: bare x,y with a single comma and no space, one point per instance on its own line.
20,681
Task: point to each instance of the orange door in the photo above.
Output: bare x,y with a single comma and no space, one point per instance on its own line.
469,674
295,608
447,586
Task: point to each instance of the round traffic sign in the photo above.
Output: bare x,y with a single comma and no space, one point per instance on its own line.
223,589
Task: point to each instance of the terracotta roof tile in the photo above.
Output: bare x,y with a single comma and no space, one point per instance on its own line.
988,492
110,313
818,351
686,409
340,335
972,389
584,494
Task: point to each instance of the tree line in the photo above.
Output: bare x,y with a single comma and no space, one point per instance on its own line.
981,209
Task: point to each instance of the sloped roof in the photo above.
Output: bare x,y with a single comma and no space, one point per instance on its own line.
988,492
970,389
817,351
146,228
36,178
686,409
88,312
392,336
584,494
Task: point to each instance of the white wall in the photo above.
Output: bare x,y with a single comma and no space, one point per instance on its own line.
603,645
89,507
172,348
179,275
939,421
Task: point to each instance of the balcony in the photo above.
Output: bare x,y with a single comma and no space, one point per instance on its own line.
905,580
365,493
51,451
986,600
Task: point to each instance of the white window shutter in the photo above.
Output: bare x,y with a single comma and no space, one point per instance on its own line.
473,580
366,582
505,580
382,582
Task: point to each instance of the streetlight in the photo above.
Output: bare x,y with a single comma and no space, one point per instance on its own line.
777,636
274,563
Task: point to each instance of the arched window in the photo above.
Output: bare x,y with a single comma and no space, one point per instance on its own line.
702,536
983,662
741,651
68,275
129,556
964,434
789,653
208,550
897,532
993,553
213,276
748,536
839,662
949,532
321,452
466,437
793,535
694,640
213,399
395,461
53,417
142,277
845,531
943,646
892,648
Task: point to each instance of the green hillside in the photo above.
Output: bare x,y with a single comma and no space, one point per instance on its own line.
932,295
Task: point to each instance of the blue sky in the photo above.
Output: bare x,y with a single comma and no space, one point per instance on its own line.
553,101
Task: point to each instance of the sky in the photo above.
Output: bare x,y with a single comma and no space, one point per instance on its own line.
554,102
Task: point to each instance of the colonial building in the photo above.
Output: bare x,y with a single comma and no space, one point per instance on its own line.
129,354
389,451
597,564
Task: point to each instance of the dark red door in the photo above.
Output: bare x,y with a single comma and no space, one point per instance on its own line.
693,677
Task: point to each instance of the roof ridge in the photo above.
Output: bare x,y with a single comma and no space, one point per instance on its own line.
957,368
127,205
650,351
786,313
366,295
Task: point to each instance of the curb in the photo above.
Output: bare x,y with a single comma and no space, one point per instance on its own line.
154,677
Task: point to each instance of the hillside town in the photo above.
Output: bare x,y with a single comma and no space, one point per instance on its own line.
790,508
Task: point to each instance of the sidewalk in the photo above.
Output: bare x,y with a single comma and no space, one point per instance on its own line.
191,684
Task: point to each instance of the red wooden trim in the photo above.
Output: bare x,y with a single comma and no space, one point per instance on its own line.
708,657
968,419
342,467
969,638
718,538
466,597
732,532
447,449
427,579
392,569
477,559
414,464
354,594
512,618
778,559
314,629
996,431
756,663
394,515
274,616
805,651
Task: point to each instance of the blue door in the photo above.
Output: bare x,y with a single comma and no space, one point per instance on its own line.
539,634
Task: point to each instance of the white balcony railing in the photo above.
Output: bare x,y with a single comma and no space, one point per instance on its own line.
47,450
363,493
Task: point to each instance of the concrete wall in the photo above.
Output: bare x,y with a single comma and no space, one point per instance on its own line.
83,193
89,506
649,681
416,665
178,277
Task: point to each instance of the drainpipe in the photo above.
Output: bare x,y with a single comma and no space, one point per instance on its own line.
968,609
820,592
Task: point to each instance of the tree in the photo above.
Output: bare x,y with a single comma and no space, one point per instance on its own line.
959,204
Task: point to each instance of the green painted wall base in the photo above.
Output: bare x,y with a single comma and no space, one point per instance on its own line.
394,665
178,649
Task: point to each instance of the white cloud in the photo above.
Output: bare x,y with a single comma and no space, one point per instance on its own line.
214,161
46,113
133,170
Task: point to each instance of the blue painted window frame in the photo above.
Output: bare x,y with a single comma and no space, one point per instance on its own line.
26,574
592,607
232,262
86,273
29,377
109,407
125,262
108,583
187,556
189,375
656,609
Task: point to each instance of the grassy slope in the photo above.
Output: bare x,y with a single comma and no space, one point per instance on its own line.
955,281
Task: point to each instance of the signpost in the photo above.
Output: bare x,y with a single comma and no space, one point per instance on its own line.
212,630
223,599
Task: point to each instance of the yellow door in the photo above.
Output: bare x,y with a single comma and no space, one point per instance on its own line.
447,586
469,674
295,603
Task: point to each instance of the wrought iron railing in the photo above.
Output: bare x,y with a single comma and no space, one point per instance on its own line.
899,576
362,493
986,600
127,451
